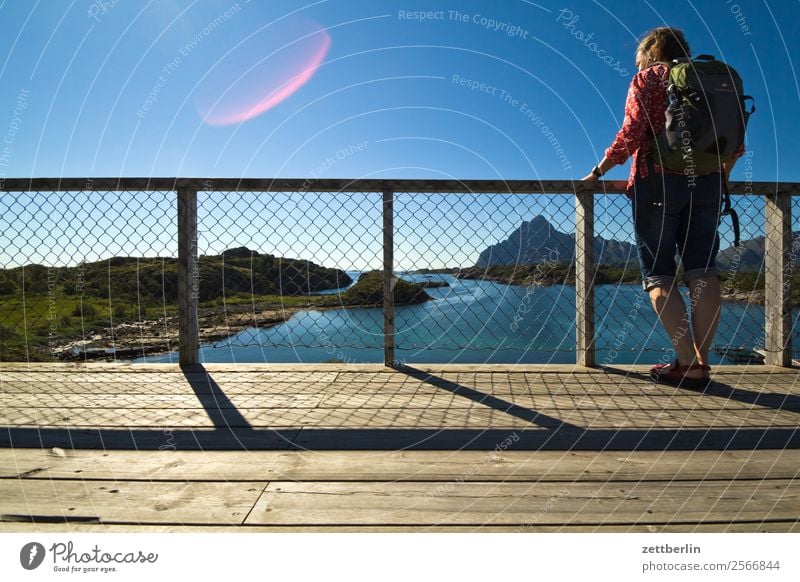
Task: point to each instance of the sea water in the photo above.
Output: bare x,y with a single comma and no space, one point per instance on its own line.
475,321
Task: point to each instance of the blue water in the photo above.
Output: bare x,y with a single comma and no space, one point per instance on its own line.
478,322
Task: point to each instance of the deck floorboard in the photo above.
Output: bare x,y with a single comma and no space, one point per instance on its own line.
330,447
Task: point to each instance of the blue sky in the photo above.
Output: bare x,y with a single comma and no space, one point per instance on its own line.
509,89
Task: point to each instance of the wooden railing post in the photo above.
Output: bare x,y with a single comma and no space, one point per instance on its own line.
388,278
188,277
584,275
777,280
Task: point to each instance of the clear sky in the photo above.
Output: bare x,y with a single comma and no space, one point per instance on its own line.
354,88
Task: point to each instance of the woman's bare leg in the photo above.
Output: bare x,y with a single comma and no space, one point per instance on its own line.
705,312
671,310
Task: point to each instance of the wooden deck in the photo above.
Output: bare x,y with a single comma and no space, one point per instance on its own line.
327,447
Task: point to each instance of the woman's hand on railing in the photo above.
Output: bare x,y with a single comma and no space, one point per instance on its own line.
597,172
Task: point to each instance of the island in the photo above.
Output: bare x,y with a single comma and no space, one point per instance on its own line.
131,303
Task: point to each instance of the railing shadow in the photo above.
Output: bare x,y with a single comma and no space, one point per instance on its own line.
499,404
231,430
223,413
774,400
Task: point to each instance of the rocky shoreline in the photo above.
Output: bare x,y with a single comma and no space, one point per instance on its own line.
160,336
525,278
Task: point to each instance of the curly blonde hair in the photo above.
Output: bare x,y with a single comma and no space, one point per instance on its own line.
661,44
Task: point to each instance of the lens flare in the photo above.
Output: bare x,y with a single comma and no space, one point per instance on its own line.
262,73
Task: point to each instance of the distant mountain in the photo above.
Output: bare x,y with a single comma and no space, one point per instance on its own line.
750,257
537,241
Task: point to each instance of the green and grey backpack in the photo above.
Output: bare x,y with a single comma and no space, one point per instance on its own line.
706,116
706,119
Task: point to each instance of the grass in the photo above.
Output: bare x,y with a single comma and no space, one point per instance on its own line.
29,327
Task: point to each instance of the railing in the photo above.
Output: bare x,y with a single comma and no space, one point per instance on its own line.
388,195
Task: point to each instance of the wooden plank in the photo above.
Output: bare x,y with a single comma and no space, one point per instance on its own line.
188,277
344,185
340,186
129,501
778,268
475,416
505,465
396,399
401,503
352,367
584,279
154,401
736,527
165,377
756,377
630,393
611,385
156,438
388,278
548,402
159,418
278,417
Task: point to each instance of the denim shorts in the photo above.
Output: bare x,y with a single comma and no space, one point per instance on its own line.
684,227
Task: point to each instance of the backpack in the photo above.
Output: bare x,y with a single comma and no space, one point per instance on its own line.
706,118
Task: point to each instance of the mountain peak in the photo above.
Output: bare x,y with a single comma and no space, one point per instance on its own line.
537,241
538,220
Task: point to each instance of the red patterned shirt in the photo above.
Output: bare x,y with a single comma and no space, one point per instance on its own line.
645,107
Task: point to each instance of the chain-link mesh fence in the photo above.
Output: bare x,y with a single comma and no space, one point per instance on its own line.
295,276
740,335
627,326
278,273
795,271
496,272
88,274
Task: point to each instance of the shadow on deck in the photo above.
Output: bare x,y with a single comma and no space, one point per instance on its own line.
452,408
364,448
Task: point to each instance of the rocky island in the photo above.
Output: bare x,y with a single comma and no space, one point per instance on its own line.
130,303
536,253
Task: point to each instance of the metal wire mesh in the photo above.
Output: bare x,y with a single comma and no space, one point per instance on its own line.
795,270
275,270
742,274
295,276
87,274
627,326
497,268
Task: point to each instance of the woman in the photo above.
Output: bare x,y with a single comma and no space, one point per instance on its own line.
686,223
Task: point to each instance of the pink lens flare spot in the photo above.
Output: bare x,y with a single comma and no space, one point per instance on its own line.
260,74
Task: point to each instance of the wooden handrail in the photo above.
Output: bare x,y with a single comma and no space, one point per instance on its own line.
354,185
779,257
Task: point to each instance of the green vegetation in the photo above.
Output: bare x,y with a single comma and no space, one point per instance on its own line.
547,274
748,281
66,303
368,291
154,281
443,271
740,283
